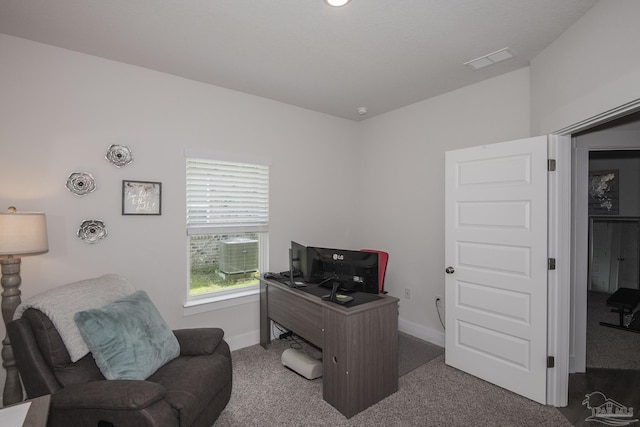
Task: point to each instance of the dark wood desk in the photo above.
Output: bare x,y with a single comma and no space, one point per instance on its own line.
359,344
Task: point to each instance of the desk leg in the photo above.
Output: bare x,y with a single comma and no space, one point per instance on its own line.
265,330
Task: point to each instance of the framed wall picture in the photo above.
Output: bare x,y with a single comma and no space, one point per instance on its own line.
141,198
603,192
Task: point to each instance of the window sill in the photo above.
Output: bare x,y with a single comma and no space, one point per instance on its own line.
203,305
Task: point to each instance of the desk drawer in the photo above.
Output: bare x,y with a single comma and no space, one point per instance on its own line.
296,314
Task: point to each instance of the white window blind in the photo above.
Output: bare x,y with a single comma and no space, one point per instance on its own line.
226,197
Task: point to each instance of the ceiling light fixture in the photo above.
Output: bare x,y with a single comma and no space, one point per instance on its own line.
362,110
336,3
490,59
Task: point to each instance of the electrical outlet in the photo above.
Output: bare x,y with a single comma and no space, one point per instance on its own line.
407,293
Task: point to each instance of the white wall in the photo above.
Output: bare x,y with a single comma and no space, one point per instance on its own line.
402,192
590,69
60,111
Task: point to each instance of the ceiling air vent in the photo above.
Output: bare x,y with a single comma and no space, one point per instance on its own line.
490,59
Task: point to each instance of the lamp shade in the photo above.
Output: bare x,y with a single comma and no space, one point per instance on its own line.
337,3
23,233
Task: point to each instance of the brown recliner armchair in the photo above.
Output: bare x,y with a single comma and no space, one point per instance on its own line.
190,390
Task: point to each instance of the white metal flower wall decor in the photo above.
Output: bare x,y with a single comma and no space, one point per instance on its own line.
119,155
81,183
604,192
92,231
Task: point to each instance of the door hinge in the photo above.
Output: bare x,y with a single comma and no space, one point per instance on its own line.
551,165
551,264
551,362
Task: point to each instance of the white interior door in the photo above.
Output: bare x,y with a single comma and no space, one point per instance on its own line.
496,258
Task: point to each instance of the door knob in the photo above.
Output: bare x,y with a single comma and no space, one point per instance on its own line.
450,270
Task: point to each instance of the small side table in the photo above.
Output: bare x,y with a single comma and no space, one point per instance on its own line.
38,412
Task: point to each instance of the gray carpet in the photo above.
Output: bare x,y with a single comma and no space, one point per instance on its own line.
413,353
433,394
609,348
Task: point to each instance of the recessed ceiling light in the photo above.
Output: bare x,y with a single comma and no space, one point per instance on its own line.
490,59
336,3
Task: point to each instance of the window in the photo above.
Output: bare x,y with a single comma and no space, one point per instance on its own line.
227,225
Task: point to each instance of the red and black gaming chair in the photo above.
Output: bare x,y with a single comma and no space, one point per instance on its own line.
383,258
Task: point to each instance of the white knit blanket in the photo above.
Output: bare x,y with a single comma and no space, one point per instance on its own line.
62,303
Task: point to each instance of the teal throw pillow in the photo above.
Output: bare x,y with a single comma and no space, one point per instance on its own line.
128,338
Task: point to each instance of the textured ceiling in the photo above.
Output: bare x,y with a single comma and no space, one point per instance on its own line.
379,54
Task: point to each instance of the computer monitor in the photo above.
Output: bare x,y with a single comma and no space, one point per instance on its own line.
299,261
355,270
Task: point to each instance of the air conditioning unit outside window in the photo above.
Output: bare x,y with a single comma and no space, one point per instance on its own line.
238,255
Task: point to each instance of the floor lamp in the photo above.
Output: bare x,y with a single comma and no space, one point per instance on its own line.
21,233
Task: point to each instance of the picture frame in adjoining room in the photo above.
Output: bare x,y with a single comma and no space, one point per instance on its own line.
604,192
141,197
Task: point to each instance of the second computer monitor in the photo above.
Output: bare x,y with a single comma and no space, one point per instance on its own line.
299,262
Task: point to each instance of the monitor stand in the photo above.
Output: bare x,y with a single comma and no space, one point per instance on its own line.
335,297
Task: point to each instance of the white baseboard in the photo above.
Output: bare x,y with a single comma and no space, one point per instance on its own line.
244,340
426,334
418,331
248,339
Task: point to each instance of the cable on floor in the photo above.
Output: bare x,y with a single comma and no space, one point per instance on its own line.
438,310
